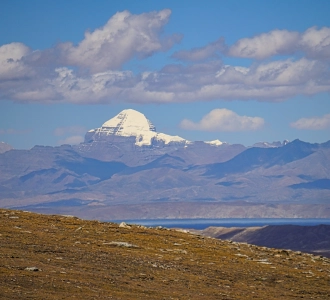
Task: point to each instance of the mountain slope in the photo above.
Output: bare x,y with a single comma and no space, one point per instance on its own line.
299,238
262,157
44,170
5,147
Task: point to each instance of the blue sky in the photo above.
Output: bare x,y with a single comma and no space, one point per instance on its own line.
237,71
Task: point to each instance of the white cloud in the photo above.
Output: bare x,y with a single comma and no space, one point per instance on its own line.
44,76
275,42
14,51
314,42
224,120
124,36
71,140
198,54
314,123
11,64
273,81
289,73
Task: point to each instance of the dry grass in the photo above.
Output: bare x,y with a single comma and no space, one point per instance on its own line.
79,259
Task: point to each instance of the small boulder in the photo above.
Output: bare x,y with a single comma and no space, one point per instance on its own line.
124,225
33,269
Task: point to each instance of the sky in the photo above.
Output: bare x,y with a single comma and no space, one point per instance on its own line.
238,71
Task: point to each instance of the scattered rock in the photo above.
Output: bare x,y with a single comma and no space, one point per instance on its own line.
122,244
165,265
124,225
33,269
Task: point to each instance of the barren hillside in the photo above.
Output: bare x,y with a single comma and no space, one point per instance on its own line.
63,257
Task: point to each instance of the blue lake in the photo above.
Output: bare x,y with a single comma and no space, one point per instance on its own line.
204,223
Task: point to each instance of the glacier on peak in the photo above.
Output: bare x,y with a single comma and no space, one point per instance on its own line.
131,123
270,145
4,147
214,143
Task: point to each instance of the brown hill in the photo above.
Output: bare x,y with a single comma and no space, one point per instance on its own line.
63,257
312,239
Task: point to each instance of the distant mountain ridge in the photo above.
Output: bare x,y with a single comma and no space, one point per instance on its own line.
264,157
126,169
270,145
5,147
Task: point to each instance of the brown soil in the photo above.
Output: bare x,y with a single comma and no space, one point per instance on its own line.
58,257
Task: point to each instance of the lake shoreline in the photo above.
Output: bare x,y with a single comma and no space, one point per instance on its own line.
229,222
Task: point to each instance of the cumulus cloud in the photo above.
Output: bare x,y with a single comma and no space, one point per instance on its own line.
224,120
90,72
272,81
71,140
314,42
264,45
12,67
314,123
124,36
198,54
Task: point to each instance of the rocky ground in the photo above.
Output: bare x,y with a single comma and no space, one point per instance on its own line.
63,257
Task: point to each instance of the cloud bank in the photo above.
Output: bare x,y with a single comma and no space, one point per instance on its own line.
314,42
314,123
221,119
276,42
91,71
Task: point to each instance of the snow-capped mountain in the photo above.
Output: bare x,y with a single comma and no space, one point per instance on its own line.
5,147
270,145
214,143
131,138
131,123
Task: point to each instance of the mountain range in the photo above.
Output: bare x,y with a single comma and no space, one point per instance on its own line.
127,170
